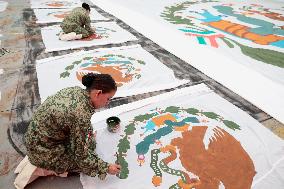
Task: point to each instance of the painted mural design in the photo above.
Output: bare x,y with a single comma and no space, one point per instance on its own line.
236,26
100,33
123,69
207,161
58,4
59,14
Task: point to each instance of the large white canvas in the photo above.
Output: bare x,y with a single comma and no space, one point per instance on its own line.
57,15
134,69
3,5
242,65
232,151
56,4
108,33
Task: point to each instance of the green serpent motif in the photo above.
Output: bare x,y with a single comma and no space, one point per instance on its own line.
154,162
165,168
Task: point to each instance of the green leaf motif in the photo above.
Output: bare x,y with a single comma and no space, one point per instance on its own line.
124,172
211,115
172,109
137,76
231,125
129,130
144,117
192,111
87,58
77,62
141,62
64,74
109,55
69,67
267,56
123,145
130,58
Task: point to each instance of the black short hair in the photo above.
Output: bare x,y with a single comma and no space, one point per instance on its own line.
86,6
102,82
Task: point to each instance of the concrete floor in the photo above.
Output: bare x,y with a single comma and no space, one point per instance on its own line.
21,45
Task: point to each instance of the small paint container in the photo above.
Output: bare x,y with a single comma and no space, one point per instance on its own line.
113,124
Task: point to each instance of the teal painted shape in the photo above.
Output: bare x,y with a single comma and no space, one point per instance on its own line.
143,146
117,62
86,64
197,32
181,123
278,44
191,120
265,27
201,40
175,123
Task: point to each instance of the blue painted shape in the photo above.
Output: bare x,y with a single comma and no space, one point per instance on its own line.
208,17
176,116
278,44
150,126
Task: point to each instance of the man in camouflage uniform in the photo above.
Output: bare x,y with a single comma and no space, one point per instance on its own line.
58,117
77,24
60,138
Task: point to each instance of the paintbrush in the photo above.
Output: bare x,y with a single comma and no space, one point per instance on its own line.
117,162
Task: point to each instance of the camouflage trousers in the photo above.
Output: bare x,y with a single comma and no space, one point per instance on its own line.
77,29
59,165
56,159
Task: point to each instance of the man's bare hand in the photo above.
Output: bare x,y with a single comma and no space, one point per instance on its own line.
114,169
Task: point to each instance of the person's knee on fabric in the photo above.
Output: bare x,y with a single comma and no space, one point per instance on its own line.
46,136
77,21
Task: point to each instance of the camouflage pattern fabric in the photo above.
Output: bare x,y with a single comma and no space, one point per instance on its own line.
77,21
60,135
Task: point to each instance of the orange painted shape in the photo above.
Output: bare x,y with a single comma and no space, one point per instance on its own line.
182,128
234,28
63,15
156,180
160,120
187,186
114,71
212,165
167,148
55,4
243,32
222,24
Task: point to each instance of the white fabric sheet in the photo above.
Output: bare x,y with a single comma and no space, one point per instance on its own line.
109,33
233,150
238,72
134,69
3,5
56,4
57,15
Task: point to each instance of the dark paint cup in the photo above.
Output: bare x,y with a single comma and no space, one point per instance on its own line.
113,124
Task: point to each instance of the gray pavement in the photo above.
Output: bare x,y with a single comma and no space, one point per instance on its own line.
21,45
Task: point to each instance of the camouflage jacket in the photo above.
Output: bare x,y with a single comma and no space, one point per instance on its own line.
79,17
60,135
